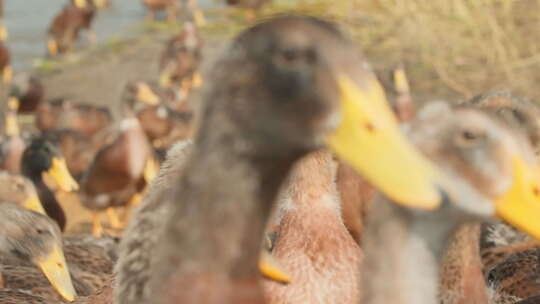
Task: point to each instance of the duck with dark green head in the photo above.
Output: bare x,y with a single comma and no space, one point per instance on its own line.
42,162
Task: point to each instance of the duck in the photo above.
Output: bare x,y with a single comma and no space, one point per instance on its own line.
5,55
26,234
120,169
28,90
90,261
162,125
64,30
312,244
289,64
19,190
154,6
180,60
42,162
503,247
12,144
62,113
490,170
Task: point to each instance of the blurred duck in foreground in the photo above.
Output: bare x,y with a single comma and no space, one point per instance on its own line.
492,172
303,86
509,257
29,235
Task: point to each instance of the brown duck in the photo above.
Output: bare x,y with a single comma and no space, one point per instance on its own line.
262,126
490,171
65,28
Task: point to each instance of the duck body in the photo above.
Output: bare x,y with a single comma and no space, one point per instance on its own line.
66,26
12,148
181,57
29,90
312,244
65,114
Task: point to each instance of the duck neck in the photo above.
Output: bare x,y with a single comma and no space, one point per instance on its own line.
226,196
403,248
48,199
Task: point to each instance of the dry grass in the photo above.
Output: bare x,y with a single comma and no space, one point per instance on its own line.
450,47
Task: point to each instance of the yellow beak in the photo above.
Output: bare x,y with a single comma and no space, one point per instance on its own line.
55,269
151,169
52,46
145,94
33,203
80,3
165,80
60,174
270,268
3,33
520,205
370,140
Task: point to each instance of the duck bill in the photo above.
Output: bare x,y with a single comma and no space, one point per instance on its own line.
151,169
60,174
3,32
80,3
369,139
165,79
52,47
270,268
55,269
145,94
33,203
520,205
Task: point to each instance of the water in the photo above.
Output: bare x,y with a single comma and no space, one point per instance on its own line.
27,22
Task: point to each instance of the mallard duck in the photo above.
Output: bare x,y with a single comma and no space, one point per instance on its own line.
65,114
41,161
154,6
28,90
312,244
118,171
65,28
298,84
29,235
12,144
163,125
179,61
490,171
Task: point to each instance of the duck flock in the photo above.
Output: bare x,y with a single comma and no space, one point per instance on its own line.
284,174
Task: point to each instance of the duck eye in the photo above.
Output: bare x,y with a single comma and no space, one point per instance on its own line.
469,136
41,231
289,55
